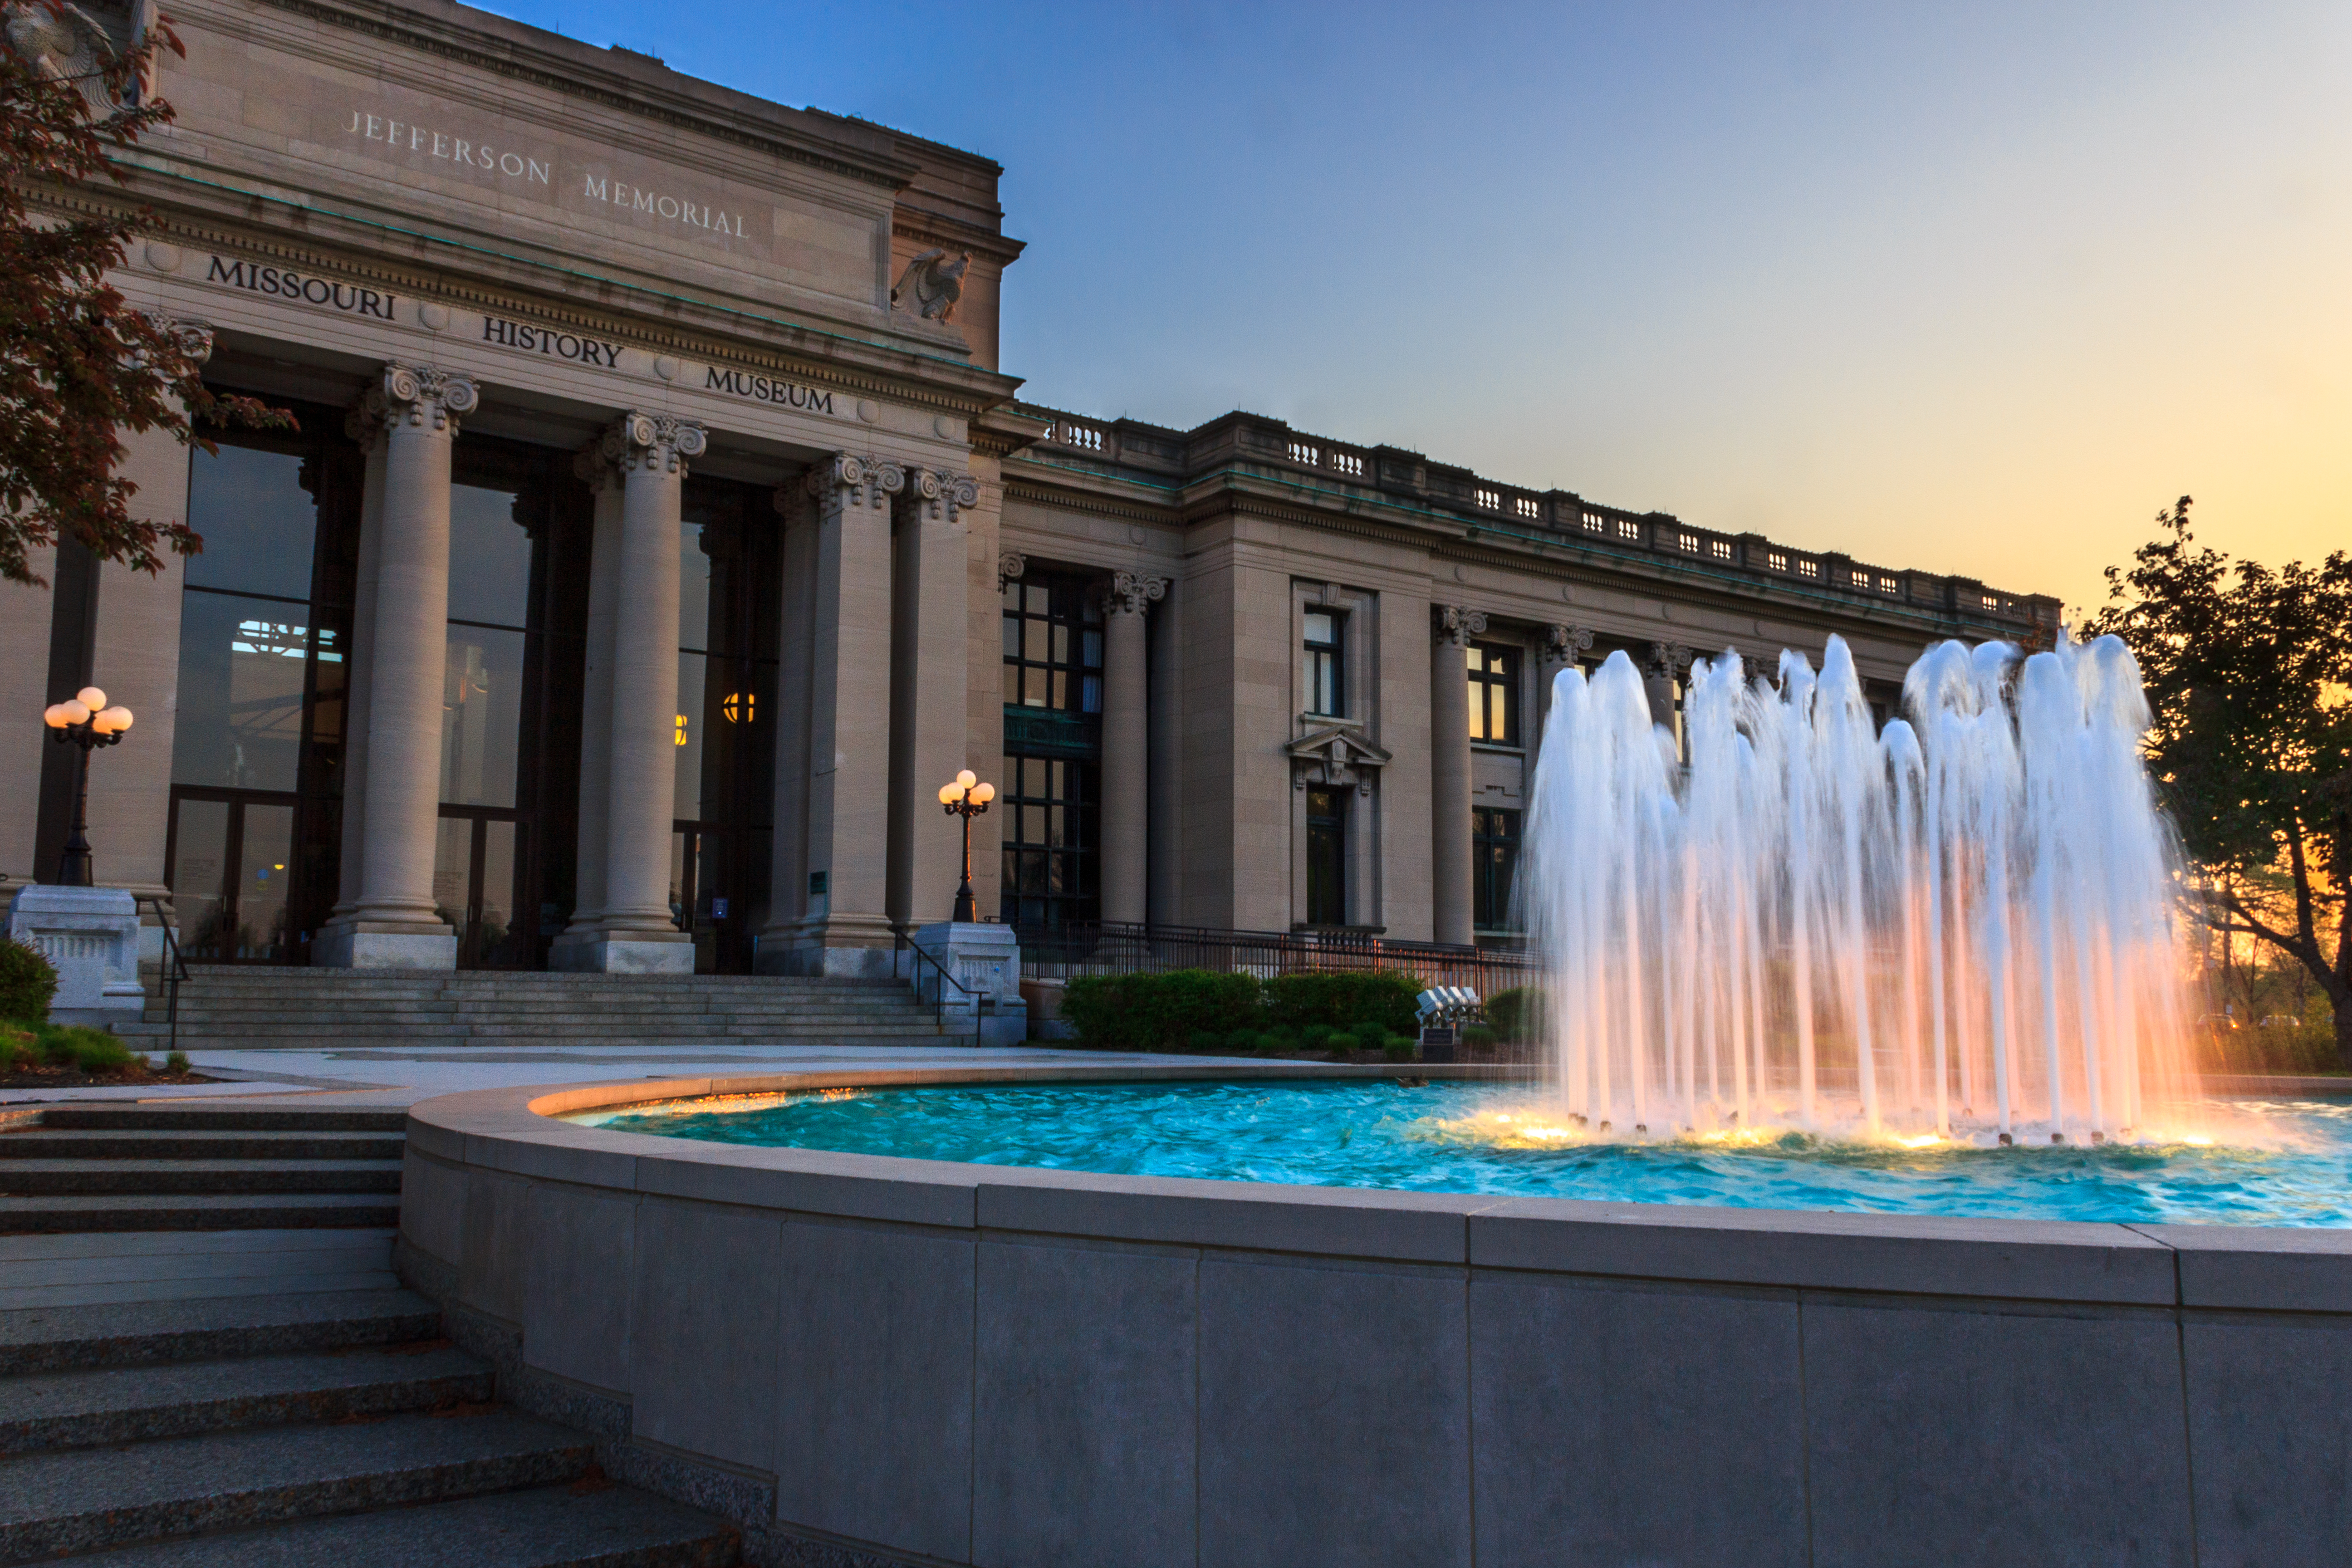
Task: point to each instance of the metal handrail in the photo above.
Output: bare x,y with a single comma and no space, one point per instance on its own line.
175,967
1112,947
982,1001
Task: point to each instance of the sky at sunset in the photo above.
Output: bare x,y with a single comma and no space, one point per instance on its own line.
1972,289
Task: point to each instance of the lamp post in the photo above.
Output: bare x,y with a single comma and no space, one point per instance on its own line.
85,719
966,797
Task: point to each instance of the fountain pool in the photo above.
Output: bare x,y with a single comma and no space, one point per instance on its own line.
2265,1163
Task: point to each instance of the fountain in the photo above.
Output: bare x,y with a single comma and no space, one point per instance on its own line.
1953,927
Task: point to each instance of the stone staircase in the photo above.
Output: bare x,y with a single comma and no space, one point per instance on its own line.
225,1386
228,1007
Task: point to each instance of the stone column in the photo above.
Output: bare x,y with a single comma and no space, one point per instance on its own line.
1449,769
636,931
574,949
365,425
843,753
1668,663
1560,646
929,650
1126,748
395,923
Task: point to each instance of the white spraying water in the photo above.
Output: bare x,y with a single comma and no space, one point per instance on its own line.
1959,927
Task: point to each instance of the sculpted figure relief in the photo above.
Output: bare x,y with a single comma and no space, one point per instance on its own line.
931,285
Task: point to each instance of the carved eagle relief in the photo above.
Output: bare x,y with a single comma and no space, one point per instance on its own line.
931,285
66,43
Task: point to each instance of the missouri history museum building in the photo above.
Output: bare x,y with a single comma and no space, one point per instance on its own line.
662,532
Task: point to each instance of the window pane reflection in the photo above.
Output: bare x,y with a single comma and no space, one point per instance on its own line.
239,723
263,882
481,711
198,897
258,521
489,558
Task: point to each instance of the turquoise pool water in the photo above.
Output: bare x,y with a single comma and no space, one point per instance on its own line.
2270,1162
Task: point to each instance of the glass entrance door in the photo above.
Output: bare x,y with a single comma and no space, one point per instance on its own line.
481,886
228,864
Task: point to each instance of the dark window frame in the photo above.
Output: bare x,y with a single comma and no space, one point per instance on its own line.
1492,668
1325,665
1494,846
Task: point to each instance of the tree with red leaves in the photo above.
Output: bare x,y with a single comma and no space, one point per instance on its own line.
79,365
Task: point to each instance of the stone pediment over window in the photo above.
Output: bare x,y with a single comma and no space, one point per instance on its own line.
1335,755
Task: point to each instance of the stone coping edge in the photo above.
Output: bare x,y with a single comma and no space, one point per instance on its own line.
514,1130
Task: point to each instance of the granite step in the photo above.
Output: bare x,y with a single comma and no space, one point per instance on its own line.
108,1406
43,1141
105,1268
95,1177
54,1338
224,1118
56,1503
547,1527
195,1211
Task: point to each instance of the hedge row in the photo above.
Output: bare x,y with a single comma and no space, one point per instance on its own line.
1173,1010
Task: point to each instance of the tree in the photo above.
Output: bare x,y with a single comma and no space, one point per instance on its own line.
78,365
2249,673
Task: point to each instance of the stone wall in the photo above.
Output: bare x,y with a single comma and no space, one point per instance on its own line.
875,1361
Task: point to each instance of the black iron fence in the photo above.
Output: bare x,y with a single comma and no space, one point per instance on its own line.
1114,949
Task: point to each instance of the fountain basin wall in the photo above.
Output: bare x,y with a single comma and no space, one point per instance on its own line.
929,1362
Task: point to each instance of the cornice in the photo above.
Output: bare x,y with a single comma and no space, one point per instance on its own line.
1566,563
956,233
560,71
1042,495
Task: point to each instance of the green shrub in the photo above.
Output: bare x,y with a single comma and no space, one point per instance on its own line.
1516,1015
18,1048
1157,1012
1478,1035
176,1063
92,1052
1203,1041
28,980
1381,999
1340,1043
1398,1047
1269,1044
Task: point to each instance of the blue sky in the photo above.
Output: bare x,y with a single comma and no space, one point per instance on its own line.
1973,288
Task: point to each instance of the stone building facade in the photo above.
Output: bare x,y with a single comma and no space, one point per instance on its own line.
662,532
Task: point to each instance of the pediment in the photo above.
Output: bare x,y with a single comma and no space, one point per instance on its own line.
1337,745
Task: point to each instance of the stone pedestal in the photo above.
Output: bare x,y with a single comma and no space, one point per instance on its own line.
91,935
986,961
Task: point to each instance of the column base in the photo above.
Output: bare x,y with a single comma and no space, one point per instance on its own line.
834,947
371,944
622,953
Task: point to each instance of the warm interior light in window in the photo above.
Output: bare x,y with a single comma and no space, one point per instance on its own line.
682,728
738,706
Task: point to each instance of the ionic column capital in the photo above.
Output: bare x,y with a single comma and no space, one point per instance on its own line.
1010,567
940,494
1669,659
1562,642
1455,624
638,442
193,339
421,396
844,479
1130,591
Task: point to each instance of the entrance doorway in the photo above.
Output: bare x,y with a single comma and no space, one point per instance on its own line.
228,862
481,886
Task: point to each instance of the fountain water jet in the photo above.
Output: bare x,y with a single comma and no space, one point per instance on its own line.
1867,927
